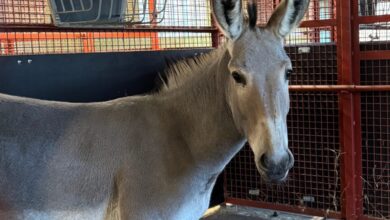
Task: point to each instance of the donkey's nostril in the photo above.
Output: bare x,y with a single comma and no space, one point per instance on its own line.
290,160
264,161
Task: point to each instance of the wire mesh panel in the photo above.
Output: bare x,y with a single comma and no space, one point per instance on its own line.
314,140
376,139
145,12
374,7
374,32
26,28
318,10
310,35
375,36
313,64
376,153
313,123
375,72
24,12
80,41
178,13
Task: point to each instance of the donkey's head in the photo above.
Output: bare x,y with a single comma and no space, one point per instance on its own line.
258,70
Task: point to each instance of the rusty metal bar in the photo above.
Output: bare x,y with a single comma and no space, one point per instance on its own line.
349,108
29,36
285,208
9,47
215,36
309,23
344,58
339,88
372,19
356,108
154,35
21,28
319,23
375,55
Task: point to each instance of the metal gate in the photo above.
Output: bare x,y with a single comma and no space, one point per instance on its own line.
26,27
339,122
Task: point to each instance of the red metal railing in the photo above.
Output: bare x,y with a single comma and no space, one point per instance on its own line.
339,122
347,77
26,28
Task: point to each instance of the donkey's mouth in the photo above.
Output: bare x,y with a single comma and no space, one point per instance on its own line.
277,178
273,176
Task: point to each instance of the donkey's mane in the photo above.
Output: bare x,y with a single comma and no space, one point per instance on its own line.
186,70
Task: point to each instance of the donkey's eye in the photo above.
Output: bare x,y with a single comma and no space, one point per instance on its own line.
288,73
238,78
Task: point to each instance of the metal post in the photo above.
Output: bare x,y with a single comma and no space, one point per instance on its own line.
316,14
88,42
153,35
357,110
349,106
9,47
215,34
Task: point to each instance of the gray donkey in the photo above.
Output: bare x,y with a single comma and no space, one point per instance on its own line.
155,156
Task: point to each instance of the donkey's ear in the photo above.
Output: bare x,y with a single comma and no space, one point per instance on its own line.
228,14
287,16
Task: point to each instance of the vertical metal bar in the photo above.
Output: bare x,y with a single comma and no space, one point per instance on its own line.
215,39
91,42
334,16
344,57
349,105
316,16
88,42
9,47
215,34
153,35
357,109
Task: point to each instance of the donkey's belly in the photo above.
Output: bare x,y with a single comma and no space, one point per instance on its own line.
86,213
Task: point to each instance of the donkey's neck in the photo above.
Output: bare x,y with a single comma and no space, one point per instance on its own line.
200,107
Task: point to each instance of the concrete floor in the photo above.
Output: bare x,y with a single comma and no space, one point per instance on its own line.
232,217
233,212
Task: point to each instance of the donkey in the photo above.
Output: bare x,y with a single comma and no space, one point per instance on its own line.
155,156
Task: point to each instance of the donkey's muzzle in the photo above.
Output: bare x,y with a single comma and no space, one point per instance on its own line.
275,171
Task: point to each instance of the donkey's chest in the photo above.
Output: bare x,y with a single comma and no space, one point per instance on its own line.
186,200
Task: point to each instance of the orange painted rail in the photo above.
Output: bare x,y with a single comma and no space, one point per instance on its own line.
28,36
